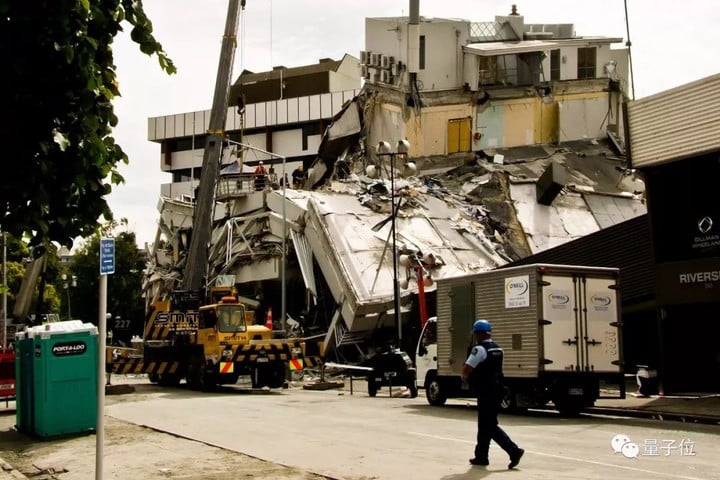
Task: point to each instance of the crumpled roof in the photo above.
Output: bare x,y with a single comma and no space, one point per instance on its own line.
459,214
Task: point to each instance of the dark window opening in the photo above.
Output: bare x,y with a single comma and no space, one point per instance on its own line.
183,144
208,318
310,129
587,59
422,52
555,64
185,174
529,68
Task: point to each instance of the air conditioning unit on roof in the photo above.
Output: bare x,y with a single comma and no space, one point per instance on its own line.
385,76
375,59
387,61
364,71
364,57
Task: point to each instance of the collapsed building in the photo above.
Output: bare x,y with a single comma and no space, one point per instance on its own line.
503,161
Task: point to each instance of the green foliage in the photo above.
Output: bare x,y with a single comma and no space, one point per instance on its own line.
124,286
17,250
57,115
15,274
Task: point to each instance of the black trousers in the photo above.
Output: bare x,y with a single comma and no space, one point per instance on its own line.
489,429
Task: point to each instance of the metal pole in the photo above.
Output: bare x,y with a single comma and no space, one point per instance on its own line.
283,290
100,427
284,250
396,284
4,299
67,289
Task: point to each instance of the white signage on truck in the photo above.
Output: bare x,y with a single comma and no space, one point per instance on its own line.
517,291
559,299
601,304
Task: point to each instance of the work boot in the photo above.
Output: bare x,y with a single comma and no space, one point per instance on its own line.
515,459
481,462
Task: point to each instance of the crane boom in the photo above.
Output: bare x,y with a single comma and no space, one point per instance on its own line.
196,263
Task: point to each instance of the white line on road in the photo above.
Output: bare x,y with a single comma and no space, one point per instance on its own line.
563,457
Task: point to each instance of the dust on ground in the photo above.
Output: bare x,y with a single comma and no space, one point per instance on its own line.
130,452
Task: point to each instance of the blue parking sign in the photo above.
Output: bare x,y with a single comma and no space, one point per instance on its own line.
107,256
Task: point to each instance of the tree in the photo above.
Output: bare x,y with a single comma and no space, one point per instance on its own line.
57,115
124,297
18,257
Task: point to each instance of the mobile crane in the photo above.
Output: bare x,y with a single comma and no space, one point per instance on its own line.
209,339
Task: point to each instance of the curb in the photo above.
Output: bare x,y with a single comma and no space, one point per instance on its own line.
656,415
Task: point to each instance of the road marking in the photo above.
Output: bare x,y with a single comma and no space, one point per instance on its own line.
563,457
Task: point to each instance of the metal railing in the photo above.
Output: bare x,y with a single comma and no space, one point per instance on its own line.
239,185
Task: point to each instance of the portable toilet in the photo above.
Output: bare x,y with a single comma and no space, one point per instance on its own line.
63,374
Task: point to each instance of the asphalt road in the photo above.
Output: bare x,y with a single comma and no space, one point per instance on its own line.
356,437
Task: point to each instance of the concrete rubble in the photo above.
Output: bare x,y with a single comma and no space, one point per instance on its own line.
456,215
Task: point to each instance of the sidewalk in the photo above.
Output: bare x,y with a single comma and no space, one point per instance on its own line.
692,408
697,408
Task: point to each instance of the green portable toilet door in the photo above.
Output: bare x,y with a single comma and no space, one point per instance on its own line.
65,384
24,385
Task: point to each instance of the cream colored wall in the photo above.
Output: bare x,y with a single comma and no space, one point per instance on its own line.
427,135
388,125
582,115
435,124
519,122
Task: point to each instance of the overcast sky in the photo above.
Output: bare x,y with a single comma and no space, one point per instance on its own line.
673,43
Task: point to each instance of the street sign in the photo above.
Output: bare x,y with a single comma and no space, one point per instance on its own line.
107,256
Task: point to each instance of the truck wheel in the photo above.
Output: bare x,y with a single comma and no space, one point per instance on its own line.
154,377
435,393
268,375
372,387
169,379
568,408
197,374
413,390
276,377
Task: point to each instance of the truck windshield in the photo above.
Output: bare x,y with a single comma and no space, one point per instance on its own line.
231,318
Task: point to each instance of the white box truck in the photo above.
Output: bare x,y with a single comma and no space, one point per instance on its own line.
559,327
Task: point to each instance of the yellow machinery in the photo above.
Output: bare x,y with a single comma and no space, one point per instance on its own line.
209,345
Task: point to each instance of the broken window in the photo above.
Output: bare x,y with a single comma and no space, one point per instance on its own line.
587,59
529,68
488,70
507,70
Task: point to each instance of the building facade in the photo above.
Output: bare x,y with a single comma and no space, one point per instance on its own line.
284,111
476,86
675,141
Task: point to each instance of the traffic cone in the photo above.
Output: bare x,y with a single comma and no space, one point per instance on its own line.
268,319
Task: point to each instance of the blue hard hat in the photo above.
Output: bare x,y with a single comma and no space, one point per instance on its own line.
481,326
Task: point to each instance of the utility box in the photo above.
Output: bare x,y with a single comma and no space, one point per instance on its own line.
58,378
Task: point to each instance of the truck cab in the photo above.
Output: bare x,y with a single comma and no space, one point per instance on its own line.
426,353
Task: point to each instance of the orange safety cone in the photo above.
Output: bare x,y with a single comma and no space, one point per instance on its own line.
268,319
